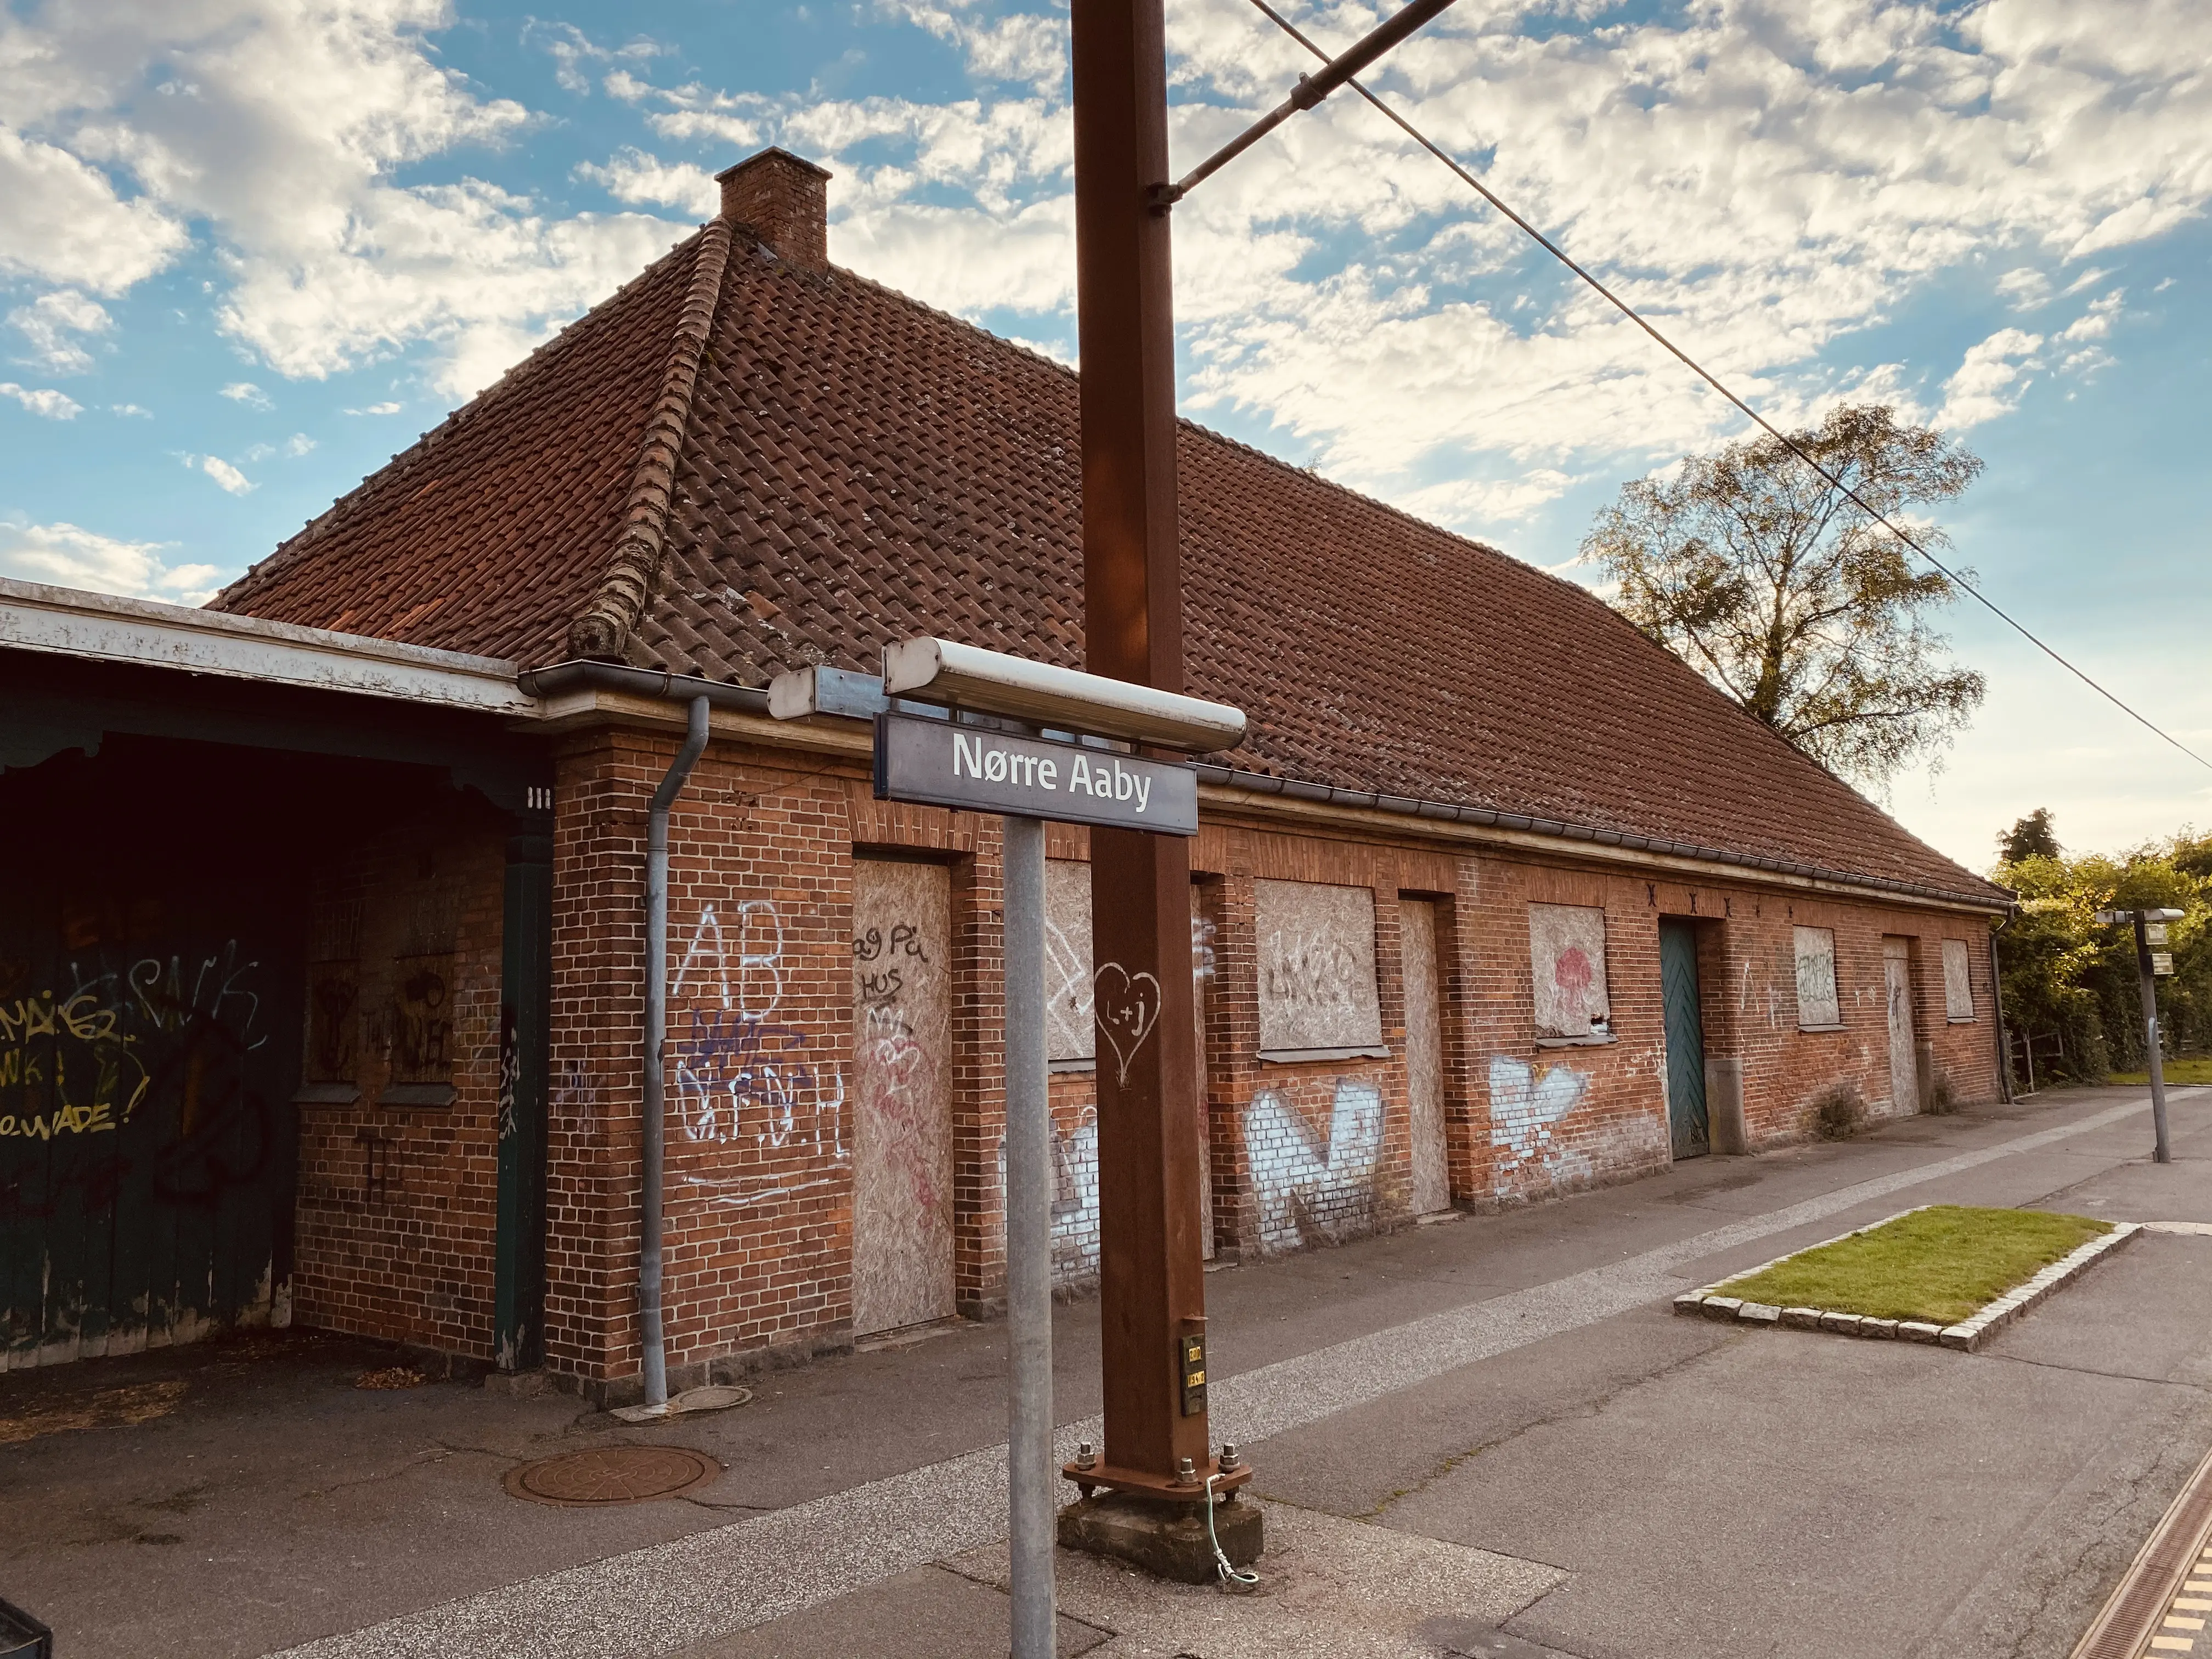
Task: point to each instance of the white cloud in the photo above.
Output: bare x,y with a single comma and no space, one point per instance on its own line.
572,50
1765,181
1019,46
282,126
60,218
2095,323
226,475
51,405
245,391
376,409
130,410
631,175
1991,381
2024,288
293,447
66,556
48,322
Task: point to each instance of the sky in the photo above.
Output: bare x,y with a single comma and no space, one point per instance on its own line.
249,249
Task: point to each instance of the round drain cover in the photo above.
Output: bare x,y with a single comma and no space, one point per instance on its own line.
613,1474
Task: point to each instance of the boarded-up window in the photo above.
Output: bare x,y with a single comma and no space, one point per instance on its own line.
1566,950
1818,1004
1071,1032
422,1020
1316,968
1957,982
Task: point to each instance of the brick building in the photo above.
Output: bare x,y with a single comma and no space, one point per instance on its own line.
1498,899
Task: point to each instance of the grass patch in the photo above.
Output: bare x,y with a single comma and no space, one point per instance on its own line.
1937,1264
2196,1069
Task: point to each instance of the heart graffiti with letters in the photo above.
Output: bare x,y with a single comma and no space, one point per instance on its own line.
1128,1006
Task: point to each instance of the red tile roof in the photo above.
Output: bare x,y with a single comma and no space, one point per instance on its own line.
734,465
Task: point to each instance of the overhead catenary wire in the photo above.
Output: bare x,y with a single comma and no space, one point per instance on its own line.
1703,374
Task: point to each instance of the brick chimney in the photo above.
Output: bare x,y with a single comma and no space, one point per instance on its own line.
785,202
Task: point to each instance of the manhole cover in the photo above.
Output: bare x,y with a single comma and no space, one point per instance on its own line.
613,1474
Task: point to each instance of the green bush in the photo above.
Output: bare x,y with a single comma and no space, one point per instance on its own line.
2065,973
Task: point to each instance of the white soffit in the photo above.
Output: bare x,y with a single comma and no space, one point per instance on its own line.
108,628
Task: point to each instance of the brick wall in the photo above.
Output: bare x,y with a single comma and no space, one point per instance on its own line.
397,1203
760,1191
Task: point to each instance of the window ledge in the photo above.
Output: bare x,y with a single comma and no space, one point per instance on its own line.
1576,1041
1824,1027
1292,1056
1968,1019
327,1094
417,1094
1057,1067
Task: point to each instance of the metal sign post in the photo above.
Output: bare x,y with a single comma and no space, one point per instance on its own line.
1027,779
2146,974
1030,1474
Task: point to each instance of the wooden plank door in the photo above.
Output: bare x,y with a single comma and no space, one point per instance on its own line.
1686,1039
1424,1054
903,1101
1897,981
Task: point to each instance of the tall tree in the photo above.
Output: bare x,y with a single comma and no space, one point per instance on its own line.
1766,577
2031,837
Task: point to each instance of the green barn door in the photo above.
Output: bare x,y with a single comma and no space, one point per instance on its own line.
1686,1039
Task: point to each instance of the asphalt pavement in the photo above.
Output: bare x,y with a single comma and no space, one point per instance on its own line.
1485,1437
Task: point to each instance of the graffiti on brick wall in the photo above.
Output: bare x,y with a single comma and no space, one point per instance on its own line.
743,1077
419,1039
1074,1198
1302,1187
1523,1107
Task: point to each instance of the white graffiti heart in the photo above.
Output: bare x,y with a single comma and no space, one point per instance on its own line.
1125,1018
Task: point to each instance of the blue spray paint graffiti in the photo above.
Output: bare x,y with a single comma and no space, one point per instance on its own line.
1522,1109
1300,1185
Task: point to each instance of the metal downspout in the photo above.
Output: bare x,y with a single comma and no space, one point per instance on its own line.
656,1038
1996,1001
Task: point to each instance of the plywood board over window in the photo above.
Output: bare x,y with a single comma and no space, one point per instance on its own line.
1071,1031
1318,992
1957,981
1819,1007
1566,953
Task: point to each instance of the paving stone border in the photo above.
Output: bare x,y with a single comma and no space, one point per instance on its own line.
1966,1336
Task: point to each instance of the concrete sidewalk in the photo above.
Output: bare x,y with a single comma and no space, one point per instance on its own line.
1499,1407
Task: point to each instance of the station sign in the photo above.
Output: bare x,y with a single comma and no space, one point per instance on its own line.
2161,961
938,762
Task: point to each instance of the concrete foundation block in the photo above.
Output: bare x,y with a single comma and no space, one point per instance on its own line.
1885,1329
1722,1307
1919,1330
1164,1538
1759,1313
1843,1324
1724,1105
1801,1319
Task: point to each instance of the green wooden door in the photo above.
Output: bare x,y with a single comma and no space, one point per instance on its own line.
1686,1039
